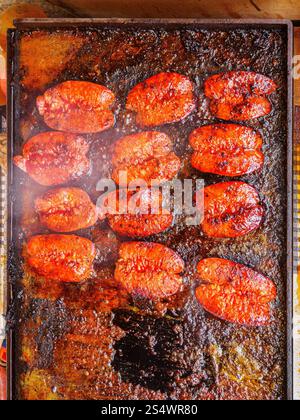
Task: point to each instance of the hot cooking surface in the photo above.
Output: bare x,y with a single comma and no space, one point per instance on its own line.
92,340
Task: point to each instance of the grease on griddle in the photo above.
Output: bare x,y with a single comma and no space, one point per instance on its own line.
50,321
120,60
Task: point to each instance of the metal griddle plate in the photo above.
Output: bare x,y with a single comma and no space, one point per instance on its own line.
91,340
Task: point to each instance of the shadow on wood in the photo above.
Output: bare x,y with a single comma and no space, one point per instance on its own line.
289,9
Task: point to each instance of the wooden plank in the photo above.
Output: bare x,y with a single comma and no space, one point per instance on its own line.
297,62
288,9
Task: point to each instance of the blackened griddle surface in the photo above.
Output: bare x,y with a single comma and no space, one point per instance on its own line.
91,340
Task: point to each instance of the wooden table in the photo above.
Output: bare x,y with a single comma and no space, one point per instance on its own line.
288,9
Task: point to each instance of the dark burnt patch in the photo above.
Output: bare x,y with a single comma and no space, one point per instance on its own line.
156,353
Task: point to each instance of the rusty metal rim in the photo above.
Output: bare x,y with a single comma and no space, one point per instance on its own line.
33,24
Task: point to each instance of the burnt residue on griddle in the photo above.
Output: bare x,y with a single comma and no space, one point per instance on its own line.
51,322
157,353
91,339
